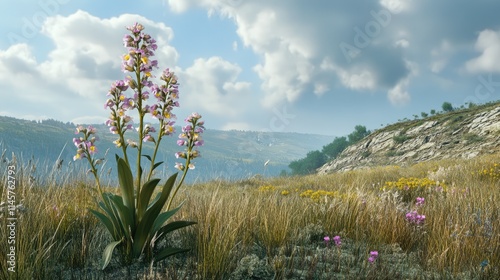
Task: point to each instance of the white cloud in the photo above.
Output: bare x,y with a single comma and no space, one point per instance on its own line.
211,85
403,43
399,94
320,88
89,120
236,126
358,79
294,39
488,43
396,6
74,79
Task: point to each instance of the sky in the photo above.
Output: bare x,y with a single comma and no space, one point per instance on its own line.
318,67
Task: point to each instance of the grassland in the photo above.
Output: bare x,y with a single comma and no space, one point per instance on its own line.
275,228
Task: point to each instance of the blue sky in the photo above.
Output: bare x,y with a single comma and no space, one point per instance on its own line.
297,66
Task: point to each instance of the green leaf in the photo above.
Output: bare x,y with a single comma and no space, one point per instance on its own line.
125,216
165,193
169,251
108,253
145,195
157,164
111,215
144,231
174,226
126,184
162,218
106,221
148,157
153,202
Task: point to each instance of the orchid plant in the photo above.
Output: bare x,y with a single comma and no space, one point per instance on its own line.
135,222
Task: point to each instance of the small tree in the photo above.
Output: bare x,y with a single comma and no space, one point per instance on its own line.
359,133
433,112
309,164
447,107
333,149
424,115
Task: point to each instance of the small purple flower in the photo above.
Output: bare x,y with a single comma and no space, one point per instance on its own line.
195,154
199,143
91,148
373,257
168,128
327,239
179,166
181,142
415,218
420,201
193,117
77,142
128,127
113,130
91,130
131,143
128,104
80,128
148,138
136,28
117,143
187,128
109,103
337,241
180,155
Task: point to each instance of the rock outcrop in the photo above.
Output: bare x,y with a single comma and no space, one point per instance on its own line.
466,134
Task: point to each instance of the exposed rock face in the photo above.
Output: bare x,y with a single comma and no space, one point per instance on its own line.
466,134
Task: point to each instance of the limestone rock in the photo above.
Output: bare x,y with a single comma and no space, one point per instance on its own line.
461,134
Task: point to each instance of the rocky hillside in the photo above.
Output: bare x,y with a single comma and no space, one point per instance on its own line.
465,133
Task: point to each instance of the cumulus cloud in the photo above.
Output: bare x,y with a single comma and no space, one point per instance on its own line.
212,85
399,94
79,69
366,43
488,44
294,39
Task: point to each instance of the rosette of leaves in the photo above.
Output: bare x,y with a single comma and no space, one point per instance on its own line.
137,223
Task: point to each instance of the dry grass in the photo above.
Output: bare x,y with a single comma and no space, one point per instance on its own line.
274,228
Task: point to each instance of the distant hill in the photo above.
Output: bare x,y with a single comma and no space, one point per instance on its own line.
463,133
226,154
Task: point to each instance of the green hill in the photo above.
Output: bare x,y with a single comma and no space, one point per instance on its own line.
226,154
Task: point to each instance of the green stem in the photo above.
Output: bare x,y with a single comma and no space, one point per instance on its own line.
141,127
160,134
122,141
96,176
186,168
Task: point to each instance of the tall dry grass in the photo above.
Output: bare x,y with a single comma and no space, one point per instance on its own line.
274,228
